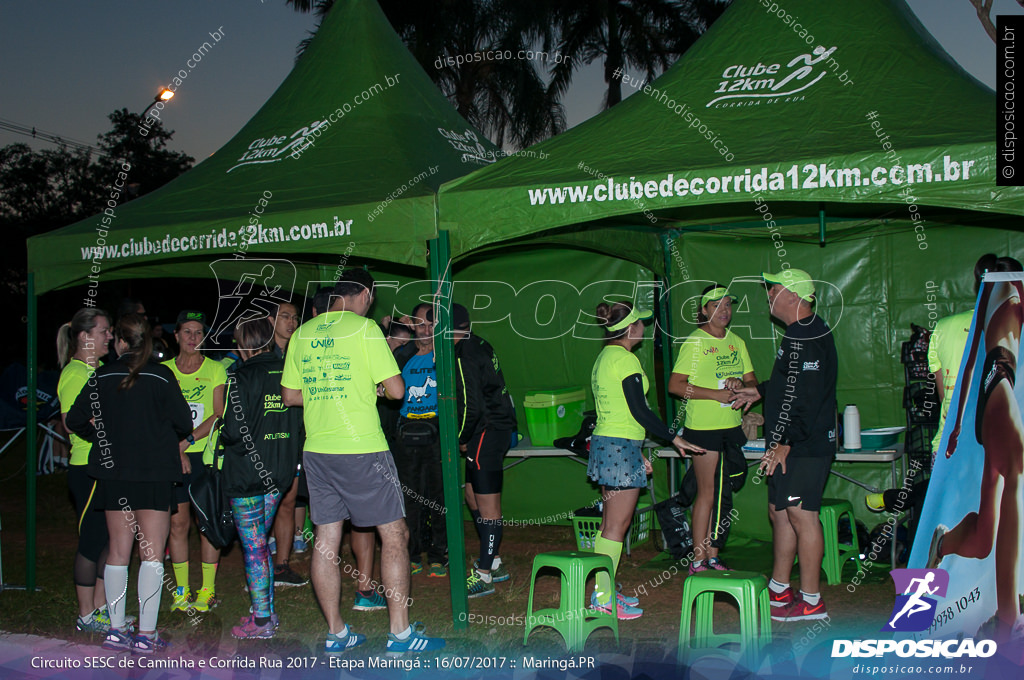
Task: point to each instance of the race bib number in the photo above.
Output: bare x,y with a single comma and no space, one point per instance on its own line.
197,413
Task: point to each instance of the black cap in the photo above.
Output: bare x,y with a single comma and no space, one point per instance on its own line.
190,315
460,316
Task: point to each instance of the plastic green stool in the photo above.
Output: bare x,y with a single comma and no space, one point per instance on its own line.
749,589
836,553
572,619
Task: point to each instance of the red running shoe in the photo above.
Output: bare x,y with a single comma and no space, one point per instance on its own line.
799,610
783,599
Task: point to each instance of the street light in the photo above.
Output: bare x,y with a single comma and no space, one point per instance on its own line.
161,96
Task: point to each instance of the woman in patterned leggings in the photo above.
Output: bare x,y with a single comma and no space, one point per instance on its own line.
262,441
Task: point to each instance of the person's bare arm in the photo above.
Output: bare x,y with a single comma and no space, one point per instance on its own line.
290,397
394,387
680,386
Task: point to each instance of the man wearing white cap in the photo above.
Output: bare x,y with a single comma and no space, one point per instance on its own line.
800,433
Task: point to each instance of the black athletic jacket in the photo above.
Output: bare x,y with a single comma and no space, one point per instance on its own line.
483,399
262,438
800,395
134,432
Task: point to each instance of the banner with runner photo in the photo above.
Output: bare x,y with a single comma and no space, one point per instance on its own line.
971,521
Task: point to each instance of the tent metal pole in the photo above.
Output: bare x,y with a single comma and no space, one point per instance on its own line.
30,440
671,405
444,358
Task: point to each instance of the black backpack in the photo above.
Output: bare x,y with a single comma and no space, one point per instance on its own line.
213,509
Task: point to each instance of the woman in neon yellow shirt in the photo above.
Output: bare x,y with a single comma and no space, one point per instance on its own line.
711,362
202,381
616,460
80,344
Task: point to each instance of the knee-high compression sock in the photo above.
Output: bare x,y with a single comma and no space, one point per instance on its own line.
209,575
180,574
151,578
475,514
115,584
605,587
490,541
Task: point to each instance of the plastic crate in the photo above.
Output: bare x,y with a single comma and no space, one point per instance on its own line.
553,414
585,528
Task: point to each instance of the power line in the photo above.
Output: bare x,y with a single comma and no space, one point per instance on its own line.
36,133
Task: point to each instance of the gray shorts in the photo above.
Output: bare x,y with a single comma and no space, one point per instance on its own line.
363,487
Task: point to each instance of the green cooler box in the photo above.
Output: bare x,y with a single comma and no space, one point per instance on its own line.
552,414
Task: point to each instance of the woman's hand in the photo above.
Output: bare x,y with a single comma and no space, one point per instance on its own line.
725,395
648,468
683,446
733,384
186,464
954,436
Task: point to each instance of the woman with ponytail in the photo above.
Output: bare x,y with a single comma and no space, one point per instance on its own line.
80,344
616,459
133,414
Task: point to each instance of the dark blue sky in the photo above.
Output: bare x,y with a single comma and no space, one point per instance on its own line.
68,63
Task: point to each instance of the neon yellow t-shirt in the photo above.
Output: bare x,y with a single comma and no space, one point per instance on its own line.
197,388
708,361
614,364
945,350
72,381
337,360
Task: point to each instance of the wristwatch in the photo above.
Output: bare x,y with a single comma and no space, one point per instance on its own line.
190,439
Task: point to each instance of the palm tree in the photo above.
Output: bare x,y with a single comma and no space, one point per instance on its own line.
507,99
644,35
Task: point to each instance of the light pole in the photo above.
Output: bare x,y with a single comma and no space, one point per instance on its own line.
161,96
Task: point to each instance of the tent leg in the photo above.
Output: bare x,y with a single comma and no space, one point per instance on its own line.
673,419
444,357
821,225
31,441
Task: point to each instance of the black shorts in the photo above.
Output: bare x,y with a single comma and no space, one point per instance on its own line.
119,494
1000,364
715,440
92,523
486,451
198,470
802,485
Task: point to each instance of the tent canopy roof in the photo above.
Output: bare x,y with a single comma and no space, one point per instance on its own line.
761,110
344,159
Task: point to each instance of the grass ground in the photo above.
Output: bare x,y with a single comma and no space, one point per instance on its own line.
51,612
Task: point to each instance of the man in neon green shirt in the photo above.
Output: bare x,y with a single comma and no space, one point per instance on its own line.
337,364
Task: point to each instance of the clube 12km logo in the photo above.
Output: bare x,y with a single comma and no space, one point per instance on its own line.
913,612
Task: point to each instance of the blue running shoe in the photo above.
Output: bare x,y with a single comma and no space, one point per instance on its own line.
416,642
117,640
369,603
149,644
343,643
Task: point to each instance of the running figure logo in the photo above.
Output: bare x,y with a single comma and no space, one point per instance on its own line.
914,610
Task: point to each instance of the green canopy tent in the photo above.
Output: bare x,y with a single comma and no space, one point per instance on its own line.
342,162
836,138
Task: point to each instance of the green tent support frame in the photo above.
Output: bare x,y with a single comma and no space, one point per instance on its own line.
671,403
444,356
30,441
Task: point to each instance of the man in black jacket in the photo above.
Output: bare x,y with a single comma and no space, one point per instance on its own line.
486,421
800,437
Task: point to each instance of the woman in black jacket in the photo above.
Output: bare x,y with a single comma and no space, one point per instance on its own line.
262,441
133,413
